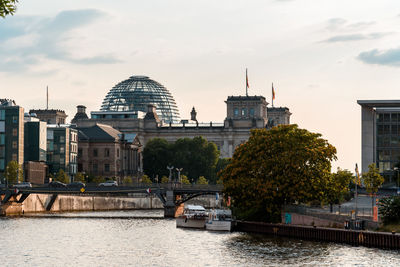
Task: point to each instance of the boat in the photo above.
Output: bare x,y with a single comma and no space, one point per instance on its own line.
219,220
194,216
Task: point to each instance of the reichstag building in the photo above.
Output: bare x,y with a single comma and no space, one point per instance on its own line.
142,106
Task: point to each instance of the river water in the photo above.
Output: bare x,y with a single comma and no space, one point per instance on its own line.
121,239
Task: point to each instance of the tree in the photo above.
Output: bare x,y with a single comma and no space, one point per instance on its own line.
184,179
389,208
221,164
338,184
98,179
281,165
157,155
14,172
202,180
164,179
62,177
372,181
127,180
146,179
80,177
8,7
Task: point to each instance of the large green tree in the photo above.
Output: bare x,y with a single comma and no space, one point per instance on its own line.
372,181
14,172
338,185
283,165
8,7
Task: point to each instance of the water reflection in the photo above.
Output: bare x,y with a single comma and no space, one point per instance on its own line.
153,242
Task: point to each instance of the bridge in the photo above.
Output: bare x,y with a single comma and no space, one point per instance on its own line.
172,195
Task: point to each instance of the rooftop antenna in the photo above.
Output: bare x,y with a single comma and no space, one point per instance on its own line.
247,84
47,97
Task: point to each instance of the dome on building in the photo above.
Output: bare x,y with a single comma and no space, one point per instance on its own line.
136,93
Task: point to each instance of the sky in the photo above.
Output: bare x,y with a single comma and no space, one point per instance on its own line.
321,55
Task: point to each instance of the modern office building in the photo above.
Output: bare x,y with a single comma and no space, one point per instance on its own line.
121,107
105,151
62,149
380,136
35,140
11,134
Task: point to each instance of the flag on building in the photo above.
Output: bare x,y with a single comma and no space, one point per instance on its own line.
273,92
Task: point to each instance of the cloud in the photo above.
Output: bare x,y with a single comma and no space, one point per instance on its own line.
390,57
355,37
340,24
26,41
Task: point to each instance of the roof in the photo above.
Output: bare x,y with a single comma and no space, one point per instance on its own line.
99,132
379,103
242,98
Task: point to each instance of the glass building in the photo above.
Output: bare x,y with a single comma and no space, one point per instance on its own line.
135,93
380,136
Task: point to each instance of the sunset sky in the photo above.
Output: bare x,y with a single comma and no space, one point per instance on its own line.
321,56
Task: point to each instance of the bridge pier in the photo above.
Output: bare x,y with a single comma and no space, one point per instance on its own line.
169,206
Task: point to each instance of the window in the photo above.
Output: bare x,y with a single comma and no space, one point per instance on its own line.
394,117
14,156
386,117
62,139
15,119
252,112
236,112
2,152
2,139
117,152
95,168
15,132
95,153
80,152
106,167
2,115
1,163
244,112
106,152
62,149
14,145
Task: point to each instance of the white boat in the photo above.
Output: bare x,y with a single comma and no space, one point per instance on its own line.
193,217
219,220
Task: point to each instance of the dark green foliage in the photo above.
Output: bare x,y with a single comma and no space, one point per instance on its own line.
389,209
62,177
196,156
13,170
8,7
157,155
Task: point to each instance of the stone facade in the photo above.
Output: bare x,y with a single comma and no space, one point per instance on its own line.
51,116
243,114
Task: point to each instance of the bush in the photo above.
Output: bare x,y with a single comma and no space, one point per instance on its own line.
99,179
146,179
164,179
202,180
79,177
127,180
184,179
62,177
389,208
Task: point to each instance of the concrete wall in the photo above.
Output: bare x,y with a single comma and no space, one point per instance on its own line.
367,137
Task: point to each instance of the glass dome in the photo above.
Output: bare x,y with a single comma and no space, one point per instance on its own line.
135,93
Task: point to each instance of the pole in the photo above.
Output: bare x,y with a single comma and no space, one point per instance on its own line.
272,94
247,83
47,97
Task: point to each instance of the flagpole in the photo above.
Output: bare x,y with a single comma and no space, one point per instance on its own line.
272,93
356,192
246,83
47,97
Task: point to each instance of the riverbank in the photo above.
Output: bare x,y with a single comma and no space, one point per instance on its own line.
351,237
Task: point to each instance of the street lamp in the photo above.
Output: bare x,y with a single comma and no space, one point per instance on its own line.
397,171
179,173
170,168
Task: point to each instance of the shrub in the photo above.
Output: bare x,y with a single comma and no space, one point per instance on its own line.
184,179
202,180
146,179
164,179
389,208
127,180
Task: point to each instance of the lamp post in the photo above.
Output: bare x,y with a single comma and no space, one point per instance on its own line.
179,173
170,168
397,182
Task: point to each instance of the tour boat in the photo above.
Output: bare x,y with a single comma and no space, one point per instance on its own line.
219,220
193,217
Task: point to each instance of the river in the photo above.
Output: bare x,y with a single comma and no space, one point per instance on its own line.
121,239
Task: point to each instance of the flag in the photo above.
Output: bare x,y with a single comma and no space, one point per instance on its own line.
247,80
148,190
228,203
273,92
357,178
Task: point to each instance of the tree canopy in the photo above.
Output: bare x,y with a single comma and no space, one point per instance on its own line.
281,165
14,172
196,156
8,7
372,179
62,176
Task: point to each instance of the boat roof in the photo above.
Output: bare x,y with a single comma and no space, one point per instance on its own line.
195,207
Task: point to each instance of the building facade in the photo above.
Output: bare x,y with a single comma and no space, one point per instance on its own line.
62,149
50,116
35,139
380,136
11,134
105,151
